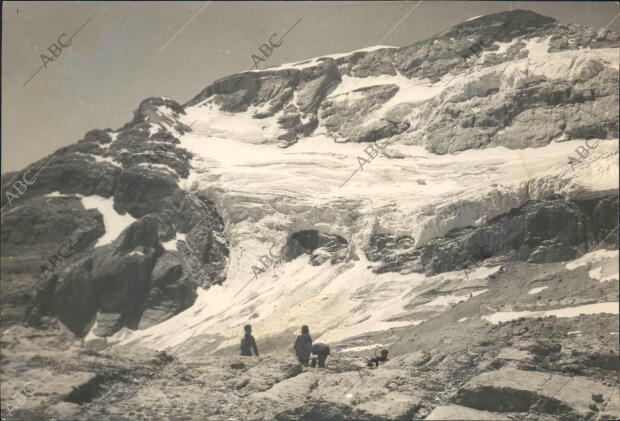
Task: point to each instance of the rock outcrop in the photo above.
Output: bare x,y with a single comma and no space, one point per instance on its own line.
140,277
546,231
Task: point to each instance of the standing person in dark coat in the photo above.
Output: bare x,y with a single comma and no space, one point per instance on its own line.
321,351
248,343
303,346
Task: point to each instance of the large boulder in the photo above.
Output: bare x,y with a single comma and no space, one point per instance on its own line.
512,390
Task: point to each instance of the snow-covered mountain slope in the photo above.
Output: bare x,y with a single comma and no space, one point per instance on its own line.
385,165
266,194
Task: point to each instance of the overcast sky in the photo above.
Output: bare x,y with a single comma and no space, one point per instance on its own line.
128,51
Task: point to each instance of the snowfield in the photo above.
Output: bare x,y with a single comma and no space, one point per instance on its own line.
287,190
265,193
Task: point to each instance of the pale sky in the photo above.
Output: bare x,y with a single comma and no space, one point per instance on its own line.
117,60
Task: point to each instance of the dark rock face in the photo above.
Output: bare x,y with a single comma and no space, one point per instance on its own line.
275,90
344,119
509,400
531,118
391,251
539,232
148,111
133,281
97,136
320,246
111,281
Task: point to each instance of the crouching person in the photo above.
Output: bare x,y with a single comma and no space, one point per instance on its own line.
378,360
321,351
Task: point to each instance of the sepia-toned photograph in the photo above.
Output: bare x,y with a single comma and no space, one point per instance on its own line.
310,211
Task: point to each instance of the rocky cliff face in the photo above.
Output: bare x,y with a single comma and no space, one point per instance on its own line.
95,237
553,230
455,201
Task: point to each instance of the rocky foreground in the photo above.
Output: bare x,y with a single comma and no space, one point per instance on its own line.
525,369
456,365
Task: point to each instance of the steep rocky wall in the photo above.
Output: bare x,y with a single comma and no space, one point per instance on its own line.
141,277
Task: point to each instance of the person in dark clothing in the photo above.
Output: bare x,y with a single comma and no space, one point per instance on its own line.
321,351
303,346
378,360
248,343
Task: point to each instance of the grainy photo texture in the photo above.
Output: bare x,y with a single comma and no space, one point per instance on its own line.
309,211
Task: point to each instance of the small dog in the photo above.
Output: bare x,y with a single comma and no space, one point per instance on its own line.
378,360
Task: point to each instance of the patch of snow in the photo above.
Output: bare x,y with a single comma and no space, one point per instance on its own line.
366,49
120,336
91,336
346,301
167,112
113,221
462,319
598,274
599,308
590,258
362,348
349,96
316,60
154,129
171,245
538,47
210,121
58,194
504,46
484,272
106,159
574,332
136,253
99,158
263,108
410,90
474,18
537,290
158,166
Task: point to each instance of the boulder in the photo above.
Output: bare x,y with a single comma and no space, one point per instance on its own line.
510,390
